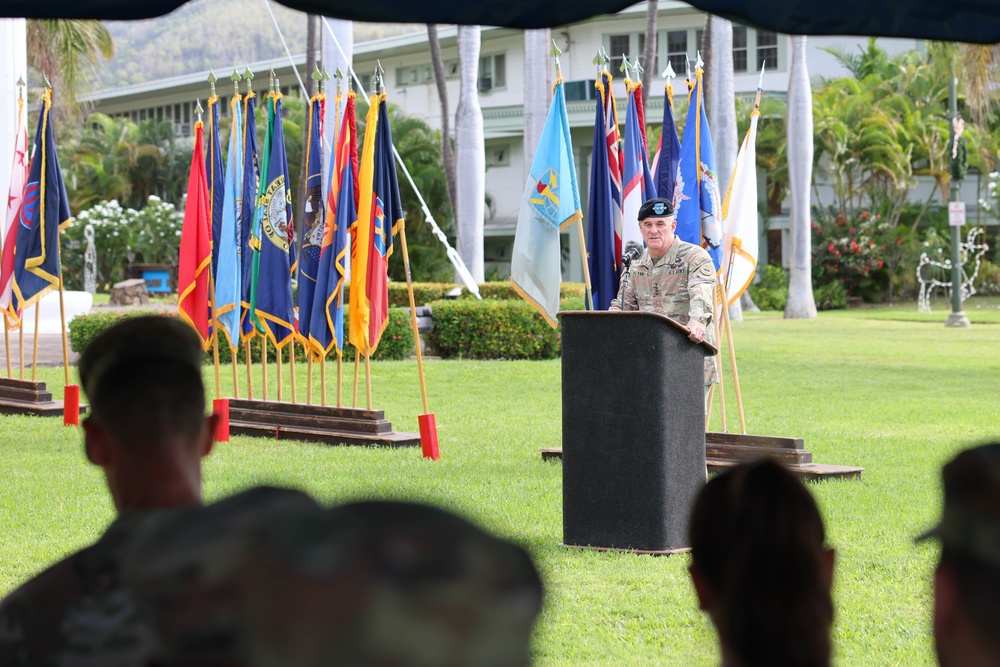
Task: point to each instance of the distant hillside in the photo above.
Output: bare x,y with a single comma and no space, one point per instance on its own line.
219,34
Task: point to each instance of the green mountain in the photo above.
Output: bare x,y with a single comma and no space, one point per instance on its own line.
219,34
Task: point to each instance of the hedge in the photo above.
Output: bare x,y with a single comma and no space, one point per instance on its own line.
425,293
492,329
396,343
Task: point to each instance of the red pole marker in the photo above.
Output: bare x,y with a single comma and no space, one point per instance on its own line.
71,405
429,436
221,407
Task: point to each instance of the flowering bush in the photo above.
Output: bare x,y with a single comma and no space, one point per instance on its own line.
122,236
854,251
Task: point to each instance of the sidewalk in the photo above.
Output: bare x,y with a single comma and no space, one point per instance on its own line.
50,351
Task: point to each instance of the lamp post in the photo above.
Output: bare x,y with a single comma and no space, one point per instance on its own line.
956,318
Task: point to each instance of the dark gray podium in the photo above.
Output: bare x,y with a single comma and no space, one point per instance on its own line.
633,403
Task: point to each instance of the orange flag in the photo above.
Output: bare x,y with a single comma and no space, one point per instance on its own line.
196,246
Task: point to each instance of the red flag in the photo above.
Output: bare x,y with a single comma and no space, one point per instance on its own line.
196,246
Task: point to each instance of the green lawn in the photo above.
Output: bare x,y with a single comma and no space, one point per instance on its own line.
896,395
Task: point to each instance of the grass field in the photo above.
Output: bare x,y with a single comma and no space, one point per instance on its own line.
879,388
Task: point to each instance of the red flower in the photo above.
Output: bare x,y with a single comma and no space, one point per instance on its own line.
880,265
830,248
864,215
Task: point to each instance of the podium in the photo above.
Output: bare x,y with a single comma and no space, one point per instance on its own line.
633,429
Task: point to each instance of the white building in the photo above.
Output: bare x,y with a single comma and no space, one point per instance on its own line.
409,81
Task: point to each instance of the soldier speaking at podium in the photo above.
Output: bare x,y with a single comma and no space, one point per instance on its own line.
670,277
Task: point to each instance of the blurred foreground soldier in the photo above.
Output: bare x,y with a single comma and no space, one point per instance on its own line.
967,579
148,431
369,583
672,278
761,569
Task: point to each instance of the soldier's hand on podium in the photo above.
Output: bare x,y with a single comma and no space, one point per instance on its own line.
696,331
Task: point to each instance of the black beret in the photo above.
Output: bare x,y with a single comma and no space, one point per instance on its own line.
660,208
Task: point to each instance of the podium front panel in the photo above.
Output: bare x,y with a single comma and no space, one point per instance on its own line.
633,402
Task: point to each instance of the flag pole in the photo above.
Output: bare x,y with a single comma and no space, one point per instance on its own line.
357,369
20,347
277,355
291,367
263,357
309,383
215,333
6,344
246,349
34,352
732,355
368,375
722,386
340,380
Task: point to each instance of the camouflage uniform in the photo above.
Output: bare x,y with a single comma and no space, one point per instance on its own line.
368,583
680,285
77,613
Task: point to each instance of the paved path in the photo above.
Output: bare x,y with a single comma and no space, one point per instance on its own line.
50,352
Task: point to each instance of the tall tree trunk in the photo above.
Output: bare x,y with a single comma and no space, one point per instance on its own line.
706,56
447,155
649,53
471,154
537,89
300,205
722,110
801,303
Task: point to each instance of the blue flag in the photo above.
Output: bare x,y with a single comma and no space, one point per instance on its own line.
44,212
665,172
273,302
214,176
601,248
341,212
248,210
312,230
696,192
229,279
550,203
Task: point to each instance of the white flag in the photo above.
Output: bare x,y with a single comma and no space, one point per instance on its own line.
739,215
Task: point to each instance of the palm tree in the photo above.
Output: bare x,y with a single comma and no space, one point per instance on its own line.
69,52
471,155
801,303
447,155
537,89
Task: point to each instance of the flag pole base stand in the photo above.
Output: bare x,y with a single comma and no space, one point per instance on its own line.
429,436
315,423
221,408
71,405
28,397
725,450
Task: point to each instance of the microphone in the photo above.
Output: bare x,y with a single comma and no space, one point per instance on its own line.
632,252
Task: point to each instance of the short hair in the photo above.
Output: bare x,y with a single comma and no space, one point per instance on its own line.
978,584
757,538
143,379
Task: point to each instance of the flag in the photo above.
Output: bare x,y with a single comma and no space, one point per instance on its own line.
44,212
229,278
380,214
216,182
696,192
668,151
550,203
248,211
314,223
327,329
603,254
640,112
273,271
195,257
637,182
739,217
8,226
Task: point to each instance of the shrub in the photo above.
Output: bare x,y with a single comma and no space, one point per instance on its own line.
771,293
988,278
84,328
423,293
831,296
505,290
492,329
396,342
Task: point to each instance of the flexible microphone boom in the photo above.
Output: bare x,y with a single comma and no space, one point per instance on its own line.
632,252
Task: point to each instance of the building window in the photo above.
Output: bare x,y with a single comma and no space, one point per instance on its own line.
632,46
739,48
492,72
767,49
677,49
498,155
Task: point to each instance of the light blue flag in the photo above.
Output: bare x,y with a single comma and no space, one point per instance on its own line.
551,202
696,192
229,281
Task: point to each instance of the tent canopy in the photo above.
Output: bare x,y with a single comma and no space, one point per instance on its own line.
954,20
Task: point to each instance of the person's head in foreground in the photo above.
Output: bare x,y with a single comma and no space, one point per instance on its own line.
266,578
147,426
761,569
657,224
967,579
